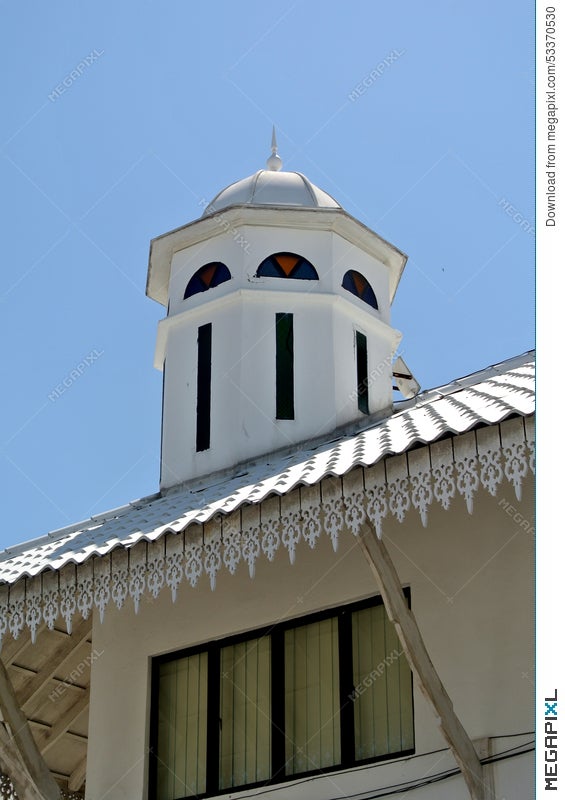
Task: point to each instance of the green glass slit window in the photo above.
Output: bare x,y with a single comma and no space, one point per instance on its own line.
204,387
284,389
321,693
362,372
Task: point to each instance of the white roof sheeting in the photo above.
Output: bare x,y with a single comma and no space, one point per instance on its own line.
489,396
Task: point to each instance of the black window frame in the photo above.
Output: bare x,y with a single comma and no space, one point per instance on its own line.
347,694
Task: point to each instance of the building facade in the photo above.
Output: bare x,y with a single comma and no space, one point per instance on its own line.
332,593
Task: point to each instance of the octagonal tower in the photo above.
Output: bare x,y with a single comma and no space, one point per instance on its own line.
278,323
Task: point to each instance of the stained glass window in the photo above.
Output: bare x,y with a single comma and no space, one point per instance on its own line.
358,285
207,277
287,265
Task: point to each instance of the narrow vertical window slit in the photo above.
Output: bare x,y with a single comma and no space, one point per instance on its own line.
204,387
362,372
284,366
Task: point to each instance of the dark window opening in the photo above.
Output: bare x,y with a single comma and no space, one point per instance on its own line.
362,372
207,277
322,693
203,386
162,419
284,366
287,265
358,285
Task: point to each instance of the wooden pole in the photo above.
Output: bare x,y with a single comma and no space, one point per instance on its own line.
41,778
11,765
380,562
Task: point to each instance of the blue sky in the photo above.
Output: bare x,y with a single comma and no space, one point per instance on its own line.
119,119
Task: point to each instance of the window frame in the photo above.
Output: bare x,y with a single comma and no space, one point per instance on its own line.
276,632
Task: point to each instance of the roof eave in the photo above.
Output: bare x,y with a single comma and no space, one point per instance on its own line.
163,247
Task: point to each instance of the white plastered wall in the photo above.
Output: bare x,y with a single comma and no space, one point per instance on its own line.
242,312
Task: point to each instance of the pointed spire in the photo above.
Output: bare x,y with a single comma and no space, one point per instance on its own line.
274,162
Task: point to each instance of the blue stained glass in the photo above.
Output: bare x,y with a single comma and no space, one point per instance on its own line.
207,277
358,285
287,265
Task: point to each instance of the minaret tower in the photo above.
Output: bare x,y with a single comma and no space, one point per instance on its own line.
278,323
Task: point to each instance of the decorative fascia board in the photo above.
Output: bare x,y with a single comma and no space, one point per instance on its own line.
258,295
163,247
444,472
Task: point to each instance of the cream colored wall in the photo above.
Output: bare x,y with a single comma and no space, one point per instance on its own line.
471,580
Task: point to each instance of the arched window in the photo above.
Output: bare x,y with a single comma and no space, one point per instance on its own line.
358,285
287,265
207,277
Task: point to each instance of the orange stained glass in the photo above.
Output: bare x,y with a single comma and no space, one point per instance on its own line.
359,282
208,273
287,265
360,287
207,277
287,262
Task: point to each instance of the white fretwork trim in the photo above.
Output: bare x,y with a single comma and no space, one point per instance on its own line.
446,472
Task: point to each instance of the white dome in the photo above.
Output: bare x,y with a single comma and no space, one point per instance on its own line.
271,188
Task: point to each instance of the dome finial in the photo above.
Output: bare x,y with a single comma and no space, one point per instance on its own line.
274,162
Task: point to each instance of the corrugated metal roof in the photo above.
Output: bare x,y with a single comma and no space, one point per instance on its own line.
485,397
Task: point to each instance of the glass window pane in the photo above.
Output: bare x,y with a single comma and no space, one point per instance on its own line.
362,372
181,737
284,366
245,713
287,265
207,277
204,387
312,724
358,285
383,687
